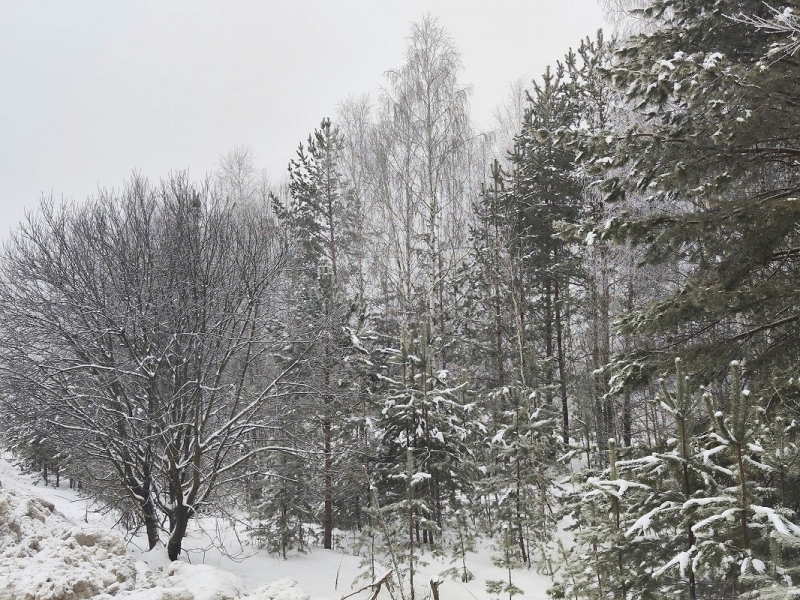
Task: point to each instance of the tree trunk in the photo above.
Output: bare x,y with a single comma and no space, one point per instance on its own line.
690,533
150,523
520,536
548,339
626,419
410,492
562,375
743,491
182,515
143,494
328,516
435,589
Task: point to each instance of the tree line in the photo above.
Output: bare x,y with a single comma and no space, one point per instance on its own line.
429,333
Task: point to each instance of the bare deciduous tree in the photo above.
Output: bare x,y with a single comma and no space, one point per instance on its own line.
142,328
426,139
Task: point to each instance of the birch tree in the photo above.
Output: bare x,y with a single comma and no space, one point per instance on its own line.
426,137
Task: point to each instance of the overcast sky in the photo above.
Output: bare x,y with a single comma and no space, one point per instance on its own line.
93,90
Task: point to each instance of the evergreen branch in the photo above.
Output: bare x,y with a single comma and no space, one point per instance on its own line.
785,254
773,325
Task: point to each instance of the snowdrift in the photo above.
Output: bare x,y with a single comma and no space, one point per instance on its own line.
44,556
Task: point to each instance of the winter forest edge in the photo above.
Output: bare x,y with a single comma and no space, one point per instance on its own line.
576,336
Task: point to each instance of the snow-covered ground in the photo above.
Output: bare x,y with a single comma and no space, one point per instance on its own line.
55,546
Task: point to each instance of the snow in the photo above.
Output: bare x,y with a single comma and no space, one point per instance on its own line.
45,557
498,438
707,454
283,589
667,64
706,501
681,560
780,524
356,343
204,581
644,523
55,545
726,514
623,485
419,477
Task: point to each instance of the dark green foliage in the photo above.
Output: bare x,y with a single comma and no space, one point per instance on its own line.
522,466
423,414
695,518
712,148
281,508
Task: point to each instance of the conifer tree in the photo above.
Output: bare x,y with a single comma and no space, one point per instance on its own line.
696,518
526,442
281,507
600,563
318,214
661,529
739,530
713,144
543,190
508,561
423,413
493,298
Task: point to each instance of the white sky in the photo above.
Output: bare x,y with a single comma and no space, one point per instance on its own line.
93,90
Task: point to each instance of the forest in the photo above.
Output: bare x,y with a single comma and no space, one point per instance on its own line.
576,335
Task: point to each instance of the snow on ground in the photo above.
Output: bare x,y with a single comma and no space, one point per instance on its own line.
45,556
54,545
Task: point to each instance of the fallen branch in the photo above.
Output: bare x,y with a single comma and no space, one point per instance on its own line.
376,585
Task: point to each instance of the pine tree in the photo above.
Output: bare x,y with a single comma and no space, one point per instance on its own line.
600,563
464,543
526,444
507,561
712,143
490,319
423,413
318,214
281,507
698,517
741,529
543,190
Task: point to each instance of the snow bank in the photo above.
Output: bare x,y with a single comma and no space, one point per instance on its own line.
44,557
204,582
183,581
